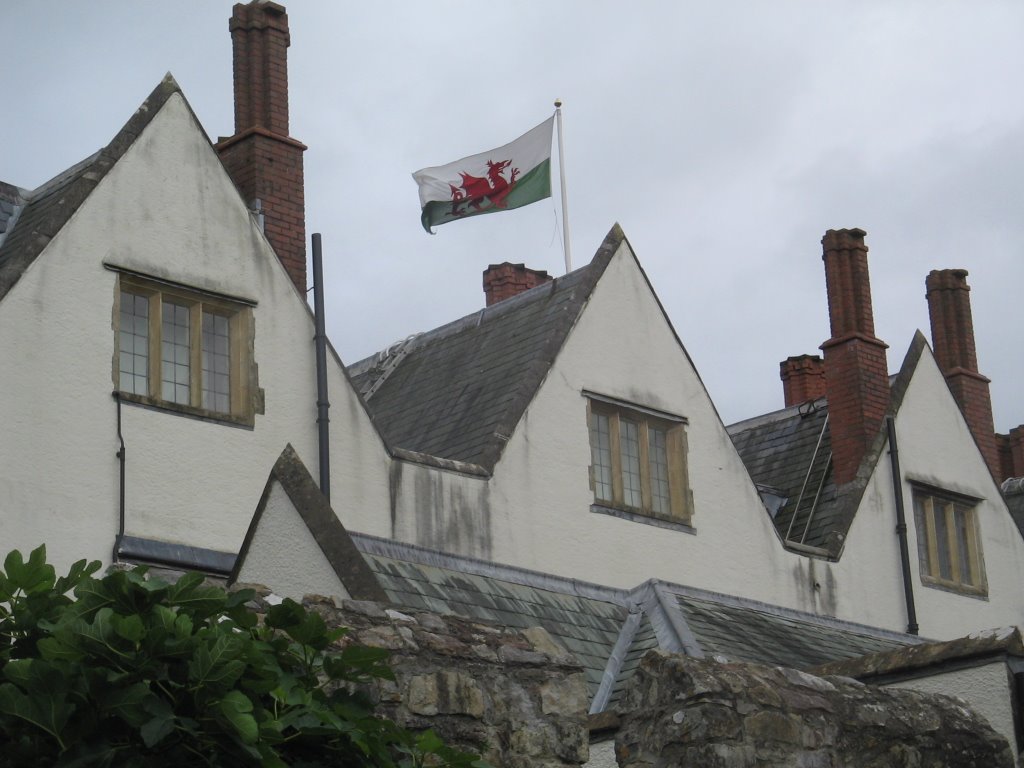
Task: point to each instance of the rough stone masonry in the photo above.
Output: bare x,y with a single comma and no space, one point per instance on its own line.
519,699
680,711
514,696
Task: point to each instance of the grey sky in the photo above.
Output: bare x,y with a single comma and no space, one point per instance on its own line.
725,137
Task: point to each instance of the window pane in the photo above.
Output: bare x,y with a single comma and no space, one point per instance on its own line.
601,456
133,344
216,363
961,518
629,444
174,370
942,540
657,454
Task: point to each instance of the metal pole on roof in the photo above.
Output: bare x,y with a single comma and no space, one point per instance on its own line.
565,197
320,343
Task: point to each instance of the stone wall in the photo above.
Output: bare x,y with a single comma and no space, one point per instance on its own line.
516,697
680,711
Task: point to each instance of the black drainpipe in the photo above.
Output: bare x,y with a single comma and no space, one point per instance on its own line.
901,525
120,456
320,340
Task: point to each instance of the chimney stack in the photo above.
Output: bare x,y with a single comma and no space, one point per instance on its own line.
803,378
949,308
1011,454
263,160
856,373
505,280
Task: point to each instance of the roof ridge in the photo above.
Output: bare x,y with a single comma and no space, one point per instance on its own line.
820,403
498,356
472,319
22,246
781,611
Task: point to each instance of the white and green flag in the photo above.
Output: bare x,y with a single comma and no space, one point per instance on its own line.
511,176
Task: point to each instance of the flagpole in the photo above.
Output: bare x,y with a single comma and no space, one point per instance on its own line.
561,176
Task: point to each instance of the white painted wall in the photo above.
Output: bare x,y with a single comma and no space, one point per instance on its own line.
622,347
535,511
537,514
167,209
442,509
935,447
985,688
284,555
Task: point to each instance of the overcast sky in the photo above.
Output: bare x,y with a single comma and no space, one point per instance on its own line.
725,138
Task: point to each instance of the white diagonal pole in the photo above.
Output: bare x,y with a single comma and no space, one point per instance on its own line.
565,197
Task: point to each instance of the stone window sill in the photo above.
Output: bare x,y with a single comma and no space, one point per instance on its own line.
977,593
214,417
639,517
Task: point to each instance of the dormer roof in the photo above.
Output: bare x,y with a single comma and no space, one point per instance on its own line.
457,392
788,455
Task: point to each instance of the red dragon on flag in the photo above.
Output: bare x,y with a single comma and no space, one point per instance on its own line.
474,190
499,179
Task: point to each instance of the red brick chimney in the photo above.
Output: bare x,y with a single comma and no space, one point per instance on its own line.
856,374
949,307
505,280
803,378
1011,453
262,159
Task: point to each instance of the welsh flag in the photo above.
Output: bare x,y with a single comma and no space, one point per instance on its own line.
511,176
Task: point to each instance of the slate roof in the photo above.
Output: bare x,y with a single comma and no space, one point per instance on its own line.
609,629
606,628
788,455
742,630
37,216
645,639
12,201
584,618
457,392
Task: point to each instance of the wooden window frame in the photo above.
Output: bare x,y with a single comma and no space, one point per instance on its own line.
927,502
242,369
680,495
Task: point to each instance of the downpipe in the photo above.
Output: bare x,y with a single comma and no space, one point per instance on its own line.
901,526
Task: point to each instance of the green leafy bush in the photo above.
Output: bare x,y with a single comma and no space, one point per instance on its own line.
133,671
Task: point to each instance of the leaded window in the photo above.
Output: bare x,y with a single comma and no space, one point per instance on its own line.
638,460
949,548
185,350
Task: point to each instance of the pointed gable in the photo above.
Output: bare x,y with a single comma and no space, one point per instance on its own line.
788,454
457,392
44,211
296,544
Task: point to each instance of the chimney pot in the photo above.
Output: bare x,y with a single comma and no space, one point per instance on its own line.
847,282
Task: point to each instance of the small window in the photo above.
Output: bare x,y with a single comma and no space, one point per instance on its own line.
948,544
638,460
184,350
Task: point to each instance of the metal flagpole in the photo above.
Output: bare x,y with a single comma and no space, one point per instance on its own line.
561,176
